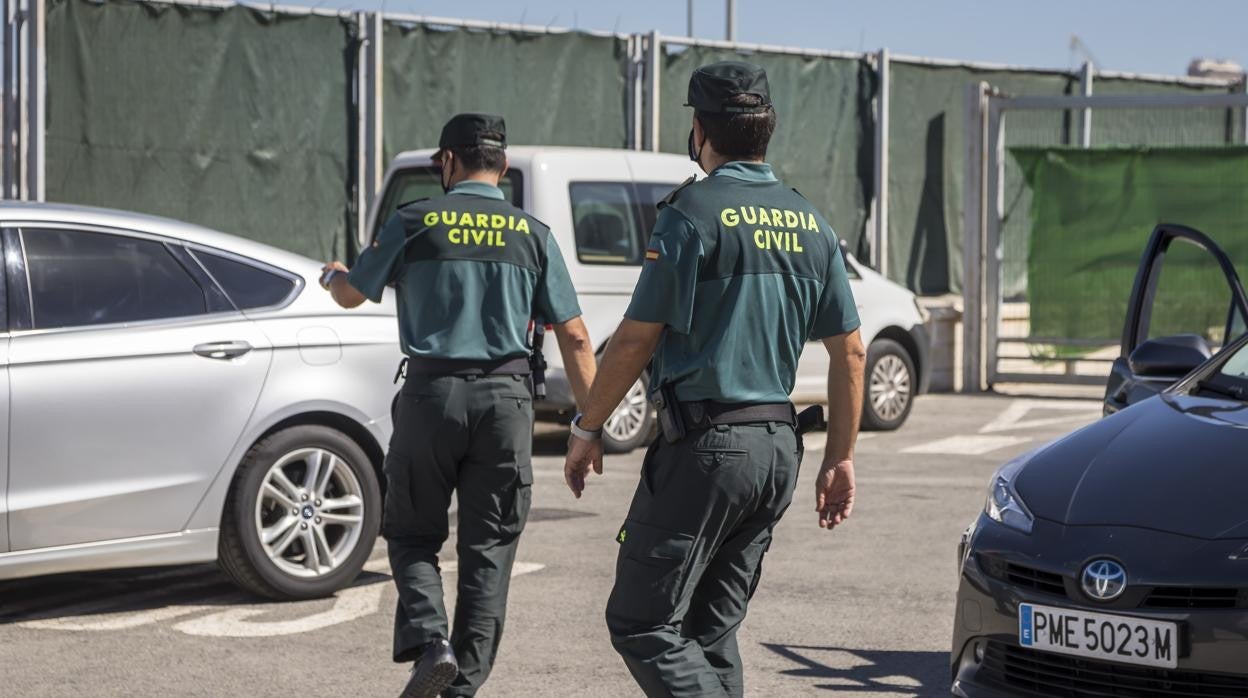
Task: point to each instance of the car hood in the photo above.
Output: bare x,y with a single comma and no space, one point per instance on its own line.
1173,463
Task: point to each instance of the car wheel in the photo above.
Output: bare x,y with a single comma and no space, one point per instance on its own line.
890,379
631,425
301,516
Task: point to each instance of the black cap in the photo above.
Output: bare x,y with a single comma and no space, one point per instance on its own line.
473,129
711,86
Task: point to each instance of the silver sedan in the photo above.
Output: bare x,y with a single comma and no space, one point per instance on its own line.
173,395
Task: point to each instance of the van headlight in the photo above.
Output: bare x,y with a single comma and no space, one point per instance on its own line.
1004,505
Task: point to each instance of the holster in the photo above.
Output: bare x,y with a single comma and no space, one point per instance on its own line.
671,419
537,360
810,419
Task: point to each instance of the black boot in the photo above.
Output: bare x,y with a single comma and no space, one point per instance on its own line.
433,672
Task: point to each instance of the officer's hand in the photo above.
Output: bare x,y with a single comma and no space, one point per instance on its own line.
834,493
582,455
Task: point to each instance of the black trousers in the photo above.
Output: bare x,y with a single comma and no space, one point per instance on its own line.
472,436
691,553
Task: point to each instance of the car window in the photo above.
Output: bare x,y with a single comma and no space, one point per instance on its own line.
612,221
1237,365
414,183
1191,296
247,286
79,278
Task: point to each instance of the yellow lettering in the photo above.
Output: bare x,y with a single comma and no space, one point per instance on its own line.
763,218
477,236
749,214
499,241
498,221
729,217
775,239
790,219
777,218
465,218
431,218
797,243
758,240
483,220
523,226
455,236
448,217
812,224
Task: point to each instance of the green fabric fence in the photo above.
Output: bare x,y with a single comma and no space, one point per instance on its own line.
824,142
552,89
1092,213
231,118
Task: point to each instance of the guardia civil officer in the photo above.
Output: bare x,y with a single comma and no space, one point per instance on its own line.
740,272
471,270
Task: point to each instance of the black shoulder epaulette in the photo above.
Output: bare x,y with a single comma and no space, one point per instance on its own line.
409,203
795,191
671,195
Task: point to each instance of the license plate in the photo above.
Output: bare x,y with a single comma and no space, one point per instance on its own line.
1099,635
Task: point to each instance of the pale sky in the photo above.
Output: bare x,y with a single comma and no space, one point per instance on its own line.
1151,36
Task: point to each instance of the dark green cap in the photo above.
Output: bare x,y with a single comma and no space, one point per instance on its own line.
473,129
711,86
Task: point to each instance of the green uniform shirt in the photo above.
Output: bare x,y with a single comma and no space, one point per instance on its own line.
470,270
743,271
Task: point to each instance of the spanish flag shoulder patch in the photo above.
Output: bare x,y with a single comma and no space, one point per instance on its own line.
652,255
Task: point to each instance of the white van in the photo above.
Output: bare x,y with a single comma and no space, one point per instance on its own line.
601,205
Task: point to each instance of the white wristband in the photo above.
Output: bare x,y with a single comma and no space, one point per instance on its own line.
585,434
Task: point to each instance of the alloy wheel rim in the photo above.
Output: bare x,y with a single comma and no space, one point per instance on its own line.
889,388
629,418
310,512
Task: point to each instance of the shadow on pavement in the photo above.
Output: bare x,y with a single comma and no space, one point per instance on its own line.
896,672
550,441
128,590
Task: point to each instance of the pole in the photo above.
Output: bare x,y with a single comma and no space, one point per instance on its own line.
689,18
1085,116
879,246
973,208
731,12
653,63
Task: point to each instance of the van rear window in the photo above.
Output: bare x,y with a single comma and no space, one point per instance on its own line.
612,221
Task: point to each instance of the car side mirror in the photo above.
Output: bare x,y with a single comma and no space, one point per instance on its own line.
1169,357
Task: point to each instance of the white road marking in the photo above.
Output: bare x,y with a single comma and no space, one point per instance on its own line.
1011,417
350,604
966,445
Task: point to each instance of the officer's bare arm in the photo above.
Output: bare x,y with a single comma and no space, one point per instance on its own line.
847,357
344,293
626,356
578,357
834,487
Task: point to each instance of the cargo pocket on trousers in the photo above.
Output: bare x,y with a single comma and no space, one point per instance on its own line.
650,575
514,520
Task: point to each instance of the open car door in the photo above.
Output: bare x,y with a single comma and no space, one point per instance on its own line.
1186,304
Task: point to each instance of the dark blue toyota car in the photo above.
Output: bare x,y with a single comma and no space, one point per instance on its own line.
1114,561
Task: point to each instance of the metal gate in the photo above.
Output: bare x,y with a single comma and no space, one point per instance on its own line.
999,345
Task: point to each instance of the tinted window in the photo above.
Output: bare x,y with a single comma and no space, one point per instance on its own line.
79,278
612,221
423,183
246,285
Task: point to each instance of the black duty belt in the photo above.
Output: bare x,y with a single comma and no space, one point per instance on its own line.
420,366
708,413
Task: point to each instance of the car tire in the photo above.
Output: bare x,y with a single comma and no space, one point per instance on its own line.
890,384
632,424
337,515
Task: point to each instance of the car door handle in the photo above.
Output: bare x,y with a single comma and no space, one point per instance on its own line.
222,350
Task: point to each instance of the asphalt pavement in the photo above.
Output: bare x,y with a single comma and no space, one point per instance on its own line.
865,610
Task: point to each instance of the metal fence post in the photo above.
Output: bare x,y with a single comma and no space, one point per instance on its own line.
369,73
973,208
993,253
8,109
879,244
31,91
654,63
1085,116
